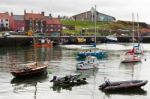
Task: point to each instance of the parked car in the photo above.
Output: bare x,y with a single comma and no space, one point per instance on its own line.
6,34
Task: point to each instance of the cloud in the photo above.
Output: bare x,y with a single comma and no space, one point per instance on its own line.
121,9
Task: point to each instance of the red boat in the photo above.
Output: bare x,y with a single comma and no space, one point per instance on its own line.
46,43
131,58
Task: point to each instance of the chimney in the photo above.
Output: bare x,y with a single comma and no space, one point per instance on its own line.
50,16
25,11
11,13
42,13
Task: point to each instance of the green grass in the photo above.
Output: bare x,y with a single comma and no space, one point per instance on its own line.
79,25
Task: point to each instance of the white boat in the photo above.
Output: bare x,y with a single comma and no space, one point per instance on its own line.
138,49
111,38
90,63
130,58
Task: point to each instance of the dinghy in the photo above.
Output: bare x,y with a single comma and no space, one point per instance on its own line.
122,85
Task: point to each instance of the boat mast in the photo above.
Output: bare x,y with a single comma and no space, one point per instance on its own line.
95,24
138,30
133,27
33,31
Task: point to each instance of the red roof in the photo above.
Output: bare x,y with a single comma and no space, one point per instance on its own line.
33,16
4,15
52,21
144,30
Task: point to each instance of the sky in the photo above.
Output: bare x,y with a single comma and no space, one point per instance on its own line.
120,9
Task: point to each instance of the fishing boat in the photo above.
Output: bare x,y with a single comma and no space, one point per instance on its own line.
130,58
90,63
122,85
43,42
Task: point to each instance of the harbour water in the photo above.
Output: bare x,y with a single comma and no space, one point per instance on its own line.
61,61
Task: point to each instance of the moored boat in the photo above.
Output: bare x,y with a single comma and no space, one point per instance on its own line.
122,85
97,53
131,58
68,81
46,43
90,63
29,69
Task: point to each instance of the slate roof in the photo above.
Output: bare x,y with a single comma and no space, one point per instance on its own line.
18,17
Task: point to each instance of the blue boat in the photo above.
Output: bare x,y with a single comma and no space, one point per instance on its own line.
98,53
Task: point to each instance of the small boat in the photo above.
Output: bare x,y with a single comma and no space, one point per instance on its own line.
138,49
111,38
90,63
29,69
131,58
46,43
122,85
97,53
68,81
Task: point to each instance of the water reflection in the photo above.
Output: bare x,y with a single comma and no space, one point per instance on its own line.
138,91
21,83
88,73
132,69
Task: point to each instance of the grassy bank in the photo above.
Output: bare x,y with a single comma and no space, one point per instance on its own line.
90,26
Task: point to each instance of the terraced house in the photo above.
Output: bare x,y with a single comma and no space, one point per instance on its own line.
5,21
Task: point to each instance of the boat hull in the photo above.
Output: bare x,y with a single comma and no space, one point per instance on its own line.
123,85
99,54
131,61
29,73
46,45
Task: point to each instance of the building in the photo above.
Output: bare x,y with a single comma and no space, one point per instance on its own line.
90,16
18,23
34,21
53,26
4,21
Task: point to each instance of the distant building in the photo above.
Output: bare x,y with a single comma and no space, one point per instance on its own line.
53,26
5,21
18,23
34,21
90,16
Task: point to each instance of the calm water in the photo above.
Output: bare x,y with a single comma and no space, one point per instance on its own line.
62,62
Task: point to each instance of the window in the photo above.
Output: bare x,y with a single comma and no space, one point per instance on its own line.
52,26
58,25
6,19
6,24
51,29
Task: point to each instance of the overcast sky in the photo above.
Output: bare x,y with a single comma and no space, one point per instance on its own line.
121,9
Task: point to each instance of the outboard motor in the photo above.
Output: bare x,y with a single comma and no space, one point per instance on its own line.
54,78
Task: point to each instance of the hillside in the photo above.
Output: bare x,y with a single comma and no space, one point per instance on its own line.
88,28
